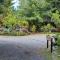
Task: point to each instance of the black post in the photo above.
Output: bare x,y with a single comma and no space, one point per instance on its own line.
47,44
51,45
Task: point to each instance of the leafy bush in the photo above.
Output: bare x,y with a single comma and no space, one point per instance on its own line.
47,28
23,23
58,39
56,18
33,29
9,21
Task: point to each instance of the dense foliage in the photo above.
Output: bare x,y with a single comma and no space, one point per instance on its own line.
41,12
31,15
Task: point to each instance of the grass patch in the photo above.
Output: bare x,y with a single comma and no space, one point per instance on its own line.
13,33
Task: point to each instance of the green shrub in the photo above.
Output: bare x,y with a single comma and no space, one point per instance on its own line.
9,21
56,18
33,29
58,39
47,28
23,23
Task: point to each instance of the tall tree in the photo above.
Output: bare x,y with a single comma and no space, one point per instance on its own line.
4,5
4,8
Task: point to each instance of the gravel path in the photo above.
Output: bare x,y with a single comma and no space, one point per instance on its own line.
23,47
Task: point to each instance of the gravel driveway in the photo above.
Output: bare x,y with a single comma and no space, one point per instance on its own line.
23,47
